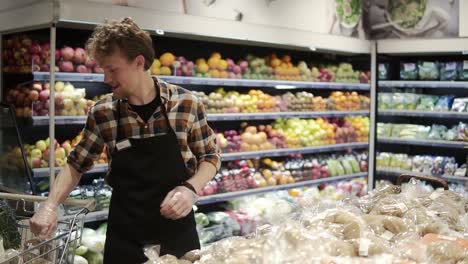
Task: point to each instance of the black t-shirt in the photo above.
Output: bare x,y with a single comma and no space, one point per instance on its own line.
147,110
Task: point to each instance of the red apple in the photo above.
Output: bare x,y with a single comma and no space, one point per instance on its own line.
44,95
35,48
67,53
79,56
81,69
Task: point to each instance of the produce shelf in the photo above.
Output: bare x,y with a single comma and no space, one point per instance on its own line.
94,77
59,120
290,151
102,215
420,142
81,120
424,84
100,168
445,114
44,172
274,115
396,173
231,195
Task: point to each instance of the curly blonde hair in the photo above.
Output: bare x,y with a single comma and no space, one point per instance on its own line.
124,36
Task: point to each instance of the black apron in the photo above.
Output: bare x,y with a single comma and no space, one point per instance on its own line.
141,177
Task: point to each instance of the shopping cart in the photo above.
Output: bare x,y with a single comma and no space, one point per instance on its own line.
57,250
433,181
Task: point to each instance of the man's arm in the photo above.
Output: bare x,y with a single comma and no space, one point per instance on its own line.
202,142
205,173
66,181
81,159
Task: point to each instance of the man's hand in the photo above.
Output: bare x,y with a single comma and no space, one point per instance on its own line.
44,222
178,203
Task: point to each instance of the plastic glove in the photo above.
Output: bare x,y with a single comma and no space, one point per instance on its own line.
44,221
178,203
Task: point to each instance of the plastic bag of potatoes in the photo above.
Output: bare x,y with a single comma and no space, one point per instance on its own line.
395,224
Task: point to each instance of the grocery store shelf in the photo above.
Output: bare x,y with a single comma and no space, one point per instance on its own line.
44,172
264,116
94,77
422,46
97,216
231,195
100,168
80,120
445,114
59,120
290,151
424,84
396,173
102,215
419,142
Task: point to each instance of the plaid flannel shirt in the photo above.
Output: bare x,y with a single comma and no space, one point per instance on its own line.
186,115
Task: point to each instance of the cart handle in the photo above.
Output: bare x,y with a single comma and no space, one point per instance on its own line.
89,204
404,177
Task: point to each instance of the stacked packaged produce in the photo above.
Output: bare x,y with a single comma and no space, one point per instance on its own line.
422,102
436,132
255,101
248,174
391,225
428,70
426,164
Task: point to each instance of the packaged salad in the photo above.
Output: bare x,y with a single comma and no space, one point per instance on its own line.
428,70
449,71
408,71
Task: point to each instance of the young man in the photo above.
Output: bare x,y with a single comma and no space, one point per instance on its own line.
161,147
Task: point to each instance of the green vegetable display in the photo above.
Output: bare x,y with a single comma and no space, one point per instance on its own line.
8,228
201,219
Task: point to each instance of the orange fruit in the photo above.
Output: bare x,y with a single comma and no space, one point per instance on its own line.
222,65
214,73
202,68
216,55
165,70
213,63
167,59
223,74
200,61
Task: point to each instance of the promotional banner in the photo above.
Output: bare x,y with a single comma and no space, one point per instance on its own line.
411,18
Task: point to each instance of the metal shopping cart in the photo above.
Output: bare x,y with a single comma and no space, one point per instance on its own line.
57,250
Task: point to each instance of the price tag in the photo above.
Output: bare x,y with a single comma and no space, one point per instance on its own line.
465,65
387,235
450,66
364,244
409,66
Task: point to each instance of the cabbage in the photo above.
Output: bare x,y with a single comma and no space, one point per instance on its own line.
88,232
79,260
81,250
94,243
94,258
102,230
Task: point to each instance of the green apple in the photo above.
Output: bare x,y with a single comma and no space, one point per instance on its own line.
36,153
42,145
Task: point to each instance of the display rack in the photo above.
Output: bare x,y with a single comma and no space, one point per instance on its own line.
424,84
395,173
85,15
100,168
181,80
423,142
434,114
222,197
395,51
81,120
